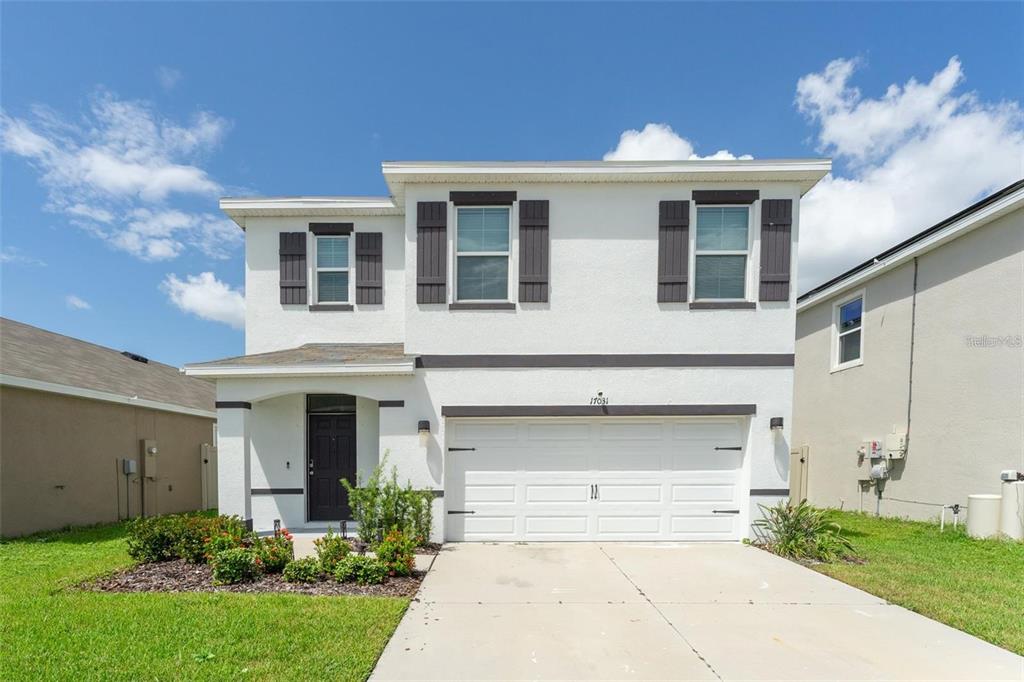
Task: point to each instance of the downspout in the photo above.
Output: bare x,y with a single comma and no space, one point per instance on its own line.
910,377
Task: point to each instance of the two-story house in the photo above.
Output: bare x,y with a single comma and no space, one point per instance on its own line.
561,351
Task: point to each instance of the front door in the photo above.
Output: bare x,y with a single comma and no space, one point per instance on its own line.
332,457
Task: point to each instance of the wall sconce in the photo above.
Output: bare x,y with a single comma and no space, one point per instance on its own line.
776,424
424,430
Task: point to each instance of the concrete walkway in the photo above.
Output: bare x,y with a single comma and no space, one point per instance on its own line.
664,611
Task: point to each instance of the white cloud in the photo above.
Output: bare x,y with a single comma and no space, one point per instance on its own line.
207,297
914,155
75,303
13,255
168,77
658,142
114,173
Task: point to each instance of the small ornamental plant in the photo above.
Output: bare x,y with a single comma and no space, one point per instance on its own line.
238,565
197,530
276,551
226,538
395,551
361,569
330,549
153,538
305,570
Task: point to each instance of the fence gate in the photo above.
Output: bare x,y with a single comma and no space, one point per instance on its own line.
208,467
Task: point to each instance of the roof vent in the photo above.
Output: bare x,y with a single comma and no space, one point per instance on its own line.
135,356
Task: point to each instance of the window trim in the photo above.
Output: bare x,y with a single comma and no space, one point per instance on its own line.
507,254
749,254
834,363
316,269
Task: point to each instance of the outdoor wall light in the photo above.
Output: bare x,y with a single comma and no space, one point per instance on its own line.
424,430
776,423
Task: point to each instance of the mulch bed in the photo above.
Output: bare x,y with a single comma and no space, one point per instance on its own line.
181,576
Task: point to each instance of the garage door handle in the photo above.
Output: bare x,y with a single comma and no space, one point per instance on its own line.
461,449
725,511
459,511
731,447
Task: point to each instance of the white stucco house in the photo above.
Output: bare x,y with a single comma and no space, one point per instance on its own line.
561,351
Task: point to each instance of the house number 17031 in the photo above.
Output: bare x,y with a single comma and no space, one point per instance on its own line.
599,399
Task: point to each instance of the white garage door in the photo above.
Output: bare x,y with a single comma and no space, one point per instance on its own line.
594,479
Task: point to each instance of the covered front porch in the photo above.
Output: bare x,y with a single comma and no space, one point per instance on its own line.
293,424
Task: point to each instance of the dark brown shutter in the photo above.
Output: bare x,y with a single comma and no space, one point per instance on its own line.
369,267
431,251
534,250
292,252
776,248
673,250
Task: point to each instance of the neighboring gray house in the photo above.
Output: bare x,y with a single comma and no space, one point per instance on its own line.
72,413
915,356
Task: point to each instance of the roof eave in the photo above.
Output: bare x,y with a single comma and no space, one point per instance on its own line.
283,371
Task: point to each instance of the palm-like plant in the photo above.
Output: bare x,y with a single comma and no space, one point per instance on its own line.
802,532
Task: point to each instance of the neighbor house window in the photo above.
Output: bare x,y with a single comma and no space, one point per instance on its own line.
482,253
720,256
332,271
849,334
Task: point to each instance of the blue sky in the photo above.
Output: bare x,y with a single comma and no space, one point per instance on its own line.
161,108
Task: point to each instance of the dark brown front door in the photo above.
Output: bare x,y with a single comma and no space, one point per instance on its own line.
332,457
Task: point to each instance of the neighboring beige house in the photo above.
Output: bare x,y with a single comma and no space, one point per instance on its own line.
923,342
73,413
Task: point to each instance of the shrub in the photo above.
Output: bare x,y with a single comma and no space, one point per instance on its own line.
276,551
154,538
228,536
382,504
802,532
330,549
364,570
395,551
238,565
197,530
306,570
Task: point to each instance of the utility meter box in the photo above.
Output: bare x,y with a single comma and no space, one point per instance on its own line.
149,453
895,445
870,449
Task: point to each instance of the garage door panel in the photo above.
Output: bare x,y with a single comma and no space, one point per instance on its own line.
576,526
575,493
490,493
533,479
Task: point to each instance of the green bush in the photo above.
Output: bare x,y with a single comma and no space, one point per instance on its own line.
197,530
276,551
154,538
228,536
238,565
382,504
395,551
802,532
330,549
364,570
305,570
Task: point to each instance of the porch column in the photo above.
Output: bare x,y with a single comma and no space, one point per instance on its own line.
234,468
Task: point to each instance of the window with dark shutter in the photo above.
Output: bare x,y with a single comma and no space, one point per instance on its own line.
534,247
369,268
776,248
673,250
431,251
292,253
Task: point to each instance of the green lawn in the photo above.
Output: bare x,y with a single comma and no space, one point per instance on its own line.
974,585
49,630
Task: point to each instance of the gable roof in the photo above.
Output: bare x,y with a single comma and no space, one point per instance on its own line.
984,211
364,359
31,357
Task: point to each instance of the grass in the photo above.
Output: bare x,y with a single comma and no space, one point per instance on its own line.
972,585
50,630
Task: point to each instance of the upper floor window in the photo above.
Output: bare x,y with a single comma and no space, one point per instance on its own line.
721,250
332,269
849,333
482,253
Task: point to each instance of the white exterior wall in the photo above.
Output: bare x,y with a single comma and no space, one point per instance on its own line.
767,455
603,286
270,326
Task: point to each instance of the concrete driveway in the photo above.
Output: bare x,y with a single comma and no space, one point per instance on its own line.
664,611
